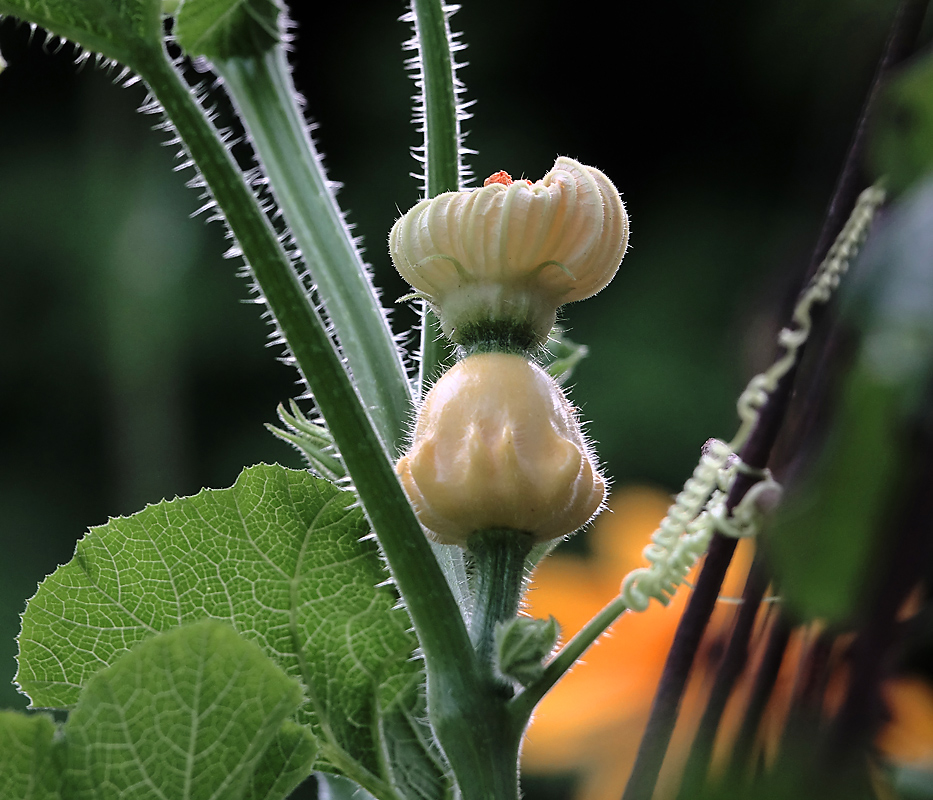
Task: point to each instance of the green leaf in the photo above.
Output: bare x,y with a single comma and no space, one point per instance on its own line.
31,759
416,765
228,28
185,715
313,441
901,143
282,557
336,787
561,355
522,645
124,30
286,763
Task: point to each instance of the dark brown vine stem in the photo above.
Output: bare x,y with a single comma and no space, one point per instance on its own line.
733,664
863,709
757,450
771,661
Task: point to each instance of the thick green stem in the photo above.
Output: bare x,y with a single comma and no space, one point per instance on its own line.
466,719
262,90
498,577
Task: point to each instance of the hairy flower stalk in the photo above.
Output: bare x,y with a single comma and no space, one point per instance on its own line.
498,460
497,262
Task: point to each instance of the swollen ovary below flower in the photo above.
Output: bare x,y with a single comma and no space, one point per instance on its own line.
496,444
591,723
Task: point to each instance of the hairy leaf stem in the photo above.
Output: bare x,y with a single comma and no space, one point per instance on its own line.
523,704
262,90
442,148
498,579
456,696
440,126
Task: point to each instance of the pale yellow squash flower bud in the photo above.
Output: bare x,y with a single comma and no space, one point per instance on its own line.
501,259
497,445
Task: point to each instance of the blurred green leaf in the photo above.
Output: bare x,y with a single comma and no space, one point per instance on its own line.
31,760
912,783
286,559
901,147
416,766
228,28
187,714
286,763
120,29
336,787
823,541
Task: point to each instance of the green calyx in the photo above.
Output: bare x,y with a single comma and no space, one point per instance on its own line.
492,317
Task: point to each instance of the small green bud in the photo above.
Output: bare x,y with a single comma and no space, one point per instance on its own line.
522,644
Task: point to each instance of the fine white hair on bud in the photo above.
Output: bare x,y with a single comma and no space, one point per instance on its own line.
497,445
499,260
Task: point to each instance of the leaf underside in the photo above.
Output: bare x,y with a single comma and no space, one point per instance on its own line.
228,28
30,760
185,715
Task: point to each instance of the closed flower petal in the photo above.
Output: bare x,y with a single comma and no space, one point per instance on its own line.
513,250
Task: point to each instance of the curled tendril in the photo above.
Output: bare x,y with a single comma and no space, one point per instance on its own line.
818,291
683,534
700,509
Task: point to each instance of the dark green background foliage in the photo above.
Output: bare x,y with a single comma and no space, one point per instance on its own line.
131,371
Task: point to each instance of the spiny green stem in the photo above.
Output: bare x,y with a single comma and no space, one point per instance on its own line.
470,724
263,92
442,145
521,706
443,636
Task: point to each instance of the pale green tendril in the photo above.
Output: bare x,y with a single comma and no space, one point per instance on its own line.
700,509
817,292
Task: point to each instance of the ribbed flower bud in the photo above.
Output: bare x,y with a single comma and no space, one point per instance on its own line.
497,262
497,445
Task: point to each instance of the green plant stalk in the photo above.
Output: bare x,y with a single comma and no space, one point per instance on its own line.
442,143
264,95
499,575
473,730
522,705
